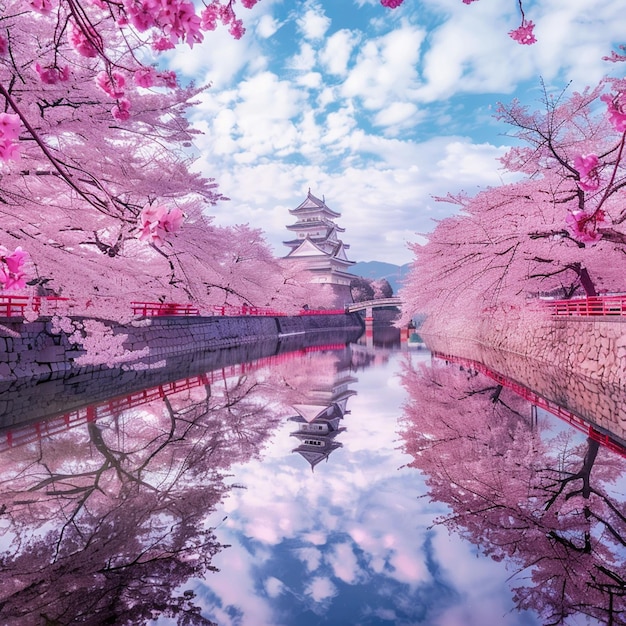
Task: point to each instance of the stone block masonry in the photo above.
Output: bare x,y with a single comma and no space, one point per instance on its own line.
45,347
578,363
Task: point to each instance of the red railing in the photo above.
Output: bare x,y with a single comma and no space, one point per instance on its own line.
584,307
322,312
564,414
152,309
16,306
236,311
259,310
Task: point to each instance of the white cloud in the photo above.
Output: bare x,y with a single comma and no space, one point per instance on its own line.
385,68
344,563
384,200
467,52
274,587
321,589
337,52
267,26
396,114
346,121
305,60
310,80
218,60
314,22
310,556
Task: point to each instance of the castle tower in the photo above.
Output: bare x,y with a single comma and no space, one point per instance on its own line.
317,245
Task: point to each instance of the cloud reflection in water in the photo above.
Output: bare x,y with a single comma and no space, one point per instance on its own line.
350,542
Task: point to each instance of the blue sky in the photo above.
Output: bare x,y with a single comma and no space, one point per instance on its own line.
377,110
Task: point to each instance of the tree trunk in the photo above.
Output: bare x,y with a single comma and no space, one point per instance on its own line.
585,280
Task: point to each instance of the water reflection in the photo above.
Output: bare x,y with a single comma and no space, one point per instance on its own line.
103,523
352,542
521,491
198,505
321,406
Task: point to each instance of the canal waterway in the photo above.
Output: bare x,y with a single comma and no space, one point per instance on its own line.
333,484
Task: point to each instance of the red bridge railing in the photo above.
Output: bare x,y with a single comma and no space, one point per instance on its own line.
17,306
584,307
152,309
572,419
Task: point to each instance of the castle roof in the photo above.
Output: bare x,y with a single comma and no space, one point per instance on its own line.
315,223
311,248
314,205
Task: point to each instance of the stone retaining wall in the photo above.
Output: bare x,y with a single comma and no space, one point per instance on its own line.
578,363
49,348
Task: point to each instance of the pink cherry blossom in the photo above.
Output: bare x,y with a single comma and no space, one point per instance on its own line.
391,4
160,44
16,259
4,46
79,41
9,133
616,104
52,74
227,15
248,4
9,151
121,111
9,126
141,14
168,79
584,226
587,168
43,6
524,34
152,214
145,77
209,17
157,221
11,273
236,29
112,83
172,221
181,22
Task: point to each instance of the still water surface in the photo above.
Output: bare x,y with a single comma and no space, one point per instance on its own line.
348,486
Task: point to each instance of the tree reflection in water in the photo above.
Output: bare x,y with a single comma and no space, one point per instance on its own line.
521,491
106,523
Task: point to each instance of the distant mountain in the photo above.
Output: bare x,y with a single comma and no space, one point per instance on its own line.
377,269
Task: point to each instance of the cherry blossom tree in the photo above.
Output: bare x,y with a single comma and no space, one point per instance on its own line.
99,203
559,230
542,502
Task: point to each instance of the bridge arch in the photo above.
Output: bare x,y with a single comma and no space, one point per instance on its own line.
369,305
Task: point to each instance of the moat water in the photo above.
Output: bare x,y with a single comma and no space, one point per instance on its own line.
332,485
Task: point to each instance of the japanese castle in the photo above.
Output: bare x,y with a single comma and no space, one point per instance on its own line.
316,243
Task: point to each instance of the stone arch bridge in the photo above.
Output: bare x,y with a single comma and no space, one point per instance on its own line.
369,305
